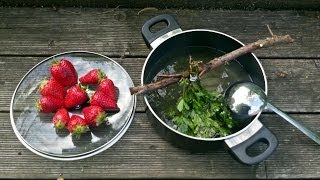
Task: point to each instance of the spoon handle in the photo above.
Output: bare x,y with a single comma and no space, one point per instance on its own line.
296,123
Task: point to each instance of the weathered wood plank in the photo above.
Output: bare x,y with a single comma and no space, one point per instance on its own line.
141,153
43,31
293,83
297,156
29,35
201,4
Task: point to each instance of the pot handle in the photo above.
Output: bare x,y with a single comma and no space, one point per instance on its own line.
255,133
149,37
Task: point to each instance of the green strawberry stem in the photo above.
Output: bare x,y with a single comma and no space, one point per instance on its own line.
101,118
101,75
78,130
59,124
54,62
38,105
83,87
43,83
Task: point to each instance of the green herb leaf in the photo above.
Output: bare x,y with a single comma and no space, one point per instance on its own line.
201,113
180,105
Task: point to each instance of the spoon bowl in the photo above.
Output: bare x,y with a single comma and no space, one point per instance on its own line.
246,99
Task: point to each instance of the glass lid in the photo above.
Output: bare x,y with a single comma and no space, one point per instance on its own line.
35,129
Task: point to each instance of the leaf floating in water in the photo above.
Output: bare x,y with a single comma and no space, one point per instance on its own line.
220,88
224,75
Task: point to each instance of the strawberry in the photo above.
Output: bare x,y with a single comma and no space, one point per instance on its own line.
107,87
61,118
51,87
92,77
76,95
101,99
94,115
77,125
64,72
49,104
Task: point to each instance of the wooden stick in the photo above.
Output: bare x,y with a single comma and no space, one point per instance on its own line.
204,68
267,42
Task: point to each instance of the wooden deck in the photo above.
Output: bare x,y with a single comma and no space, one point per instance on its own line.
29,35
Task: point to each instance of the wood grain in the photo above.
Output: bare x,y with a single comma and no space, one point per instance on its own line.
43,31
186,4
29,35
297,156
293,83
141,153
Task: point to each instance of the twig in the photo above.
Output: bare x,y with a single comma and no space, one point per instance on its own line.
170,75
270,30
270,41
147,9
204,68
154,86
116,8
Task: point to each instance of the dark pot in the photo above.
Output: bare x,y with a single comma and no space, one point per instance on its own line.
169,40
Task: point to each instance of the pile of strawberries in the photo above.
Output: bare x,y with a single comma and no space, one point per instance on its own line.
62,93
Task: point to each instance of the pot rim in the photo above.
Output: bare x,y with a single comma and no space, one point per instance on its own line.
193,137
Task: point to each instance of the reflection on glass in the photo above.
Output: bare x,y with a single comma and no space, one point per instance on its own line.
36,129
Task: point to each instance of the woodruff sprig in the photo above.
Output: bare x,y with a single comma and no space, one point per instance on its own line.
199,112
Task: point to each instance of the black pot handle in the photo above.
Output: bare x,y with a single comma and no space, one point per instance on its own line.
262,135
149,36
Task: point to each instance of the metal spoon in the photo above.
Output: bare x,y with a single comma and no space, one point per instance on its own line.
247,99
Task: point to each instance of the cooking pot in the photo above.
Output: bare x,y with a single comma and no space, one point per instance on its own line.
171,39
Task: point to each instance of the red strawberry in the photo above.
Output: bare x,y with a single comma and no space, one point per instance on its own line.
76,95
77,125
92,77
94,115
101,99
61,118
64,72
49,104
51,87
106,86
